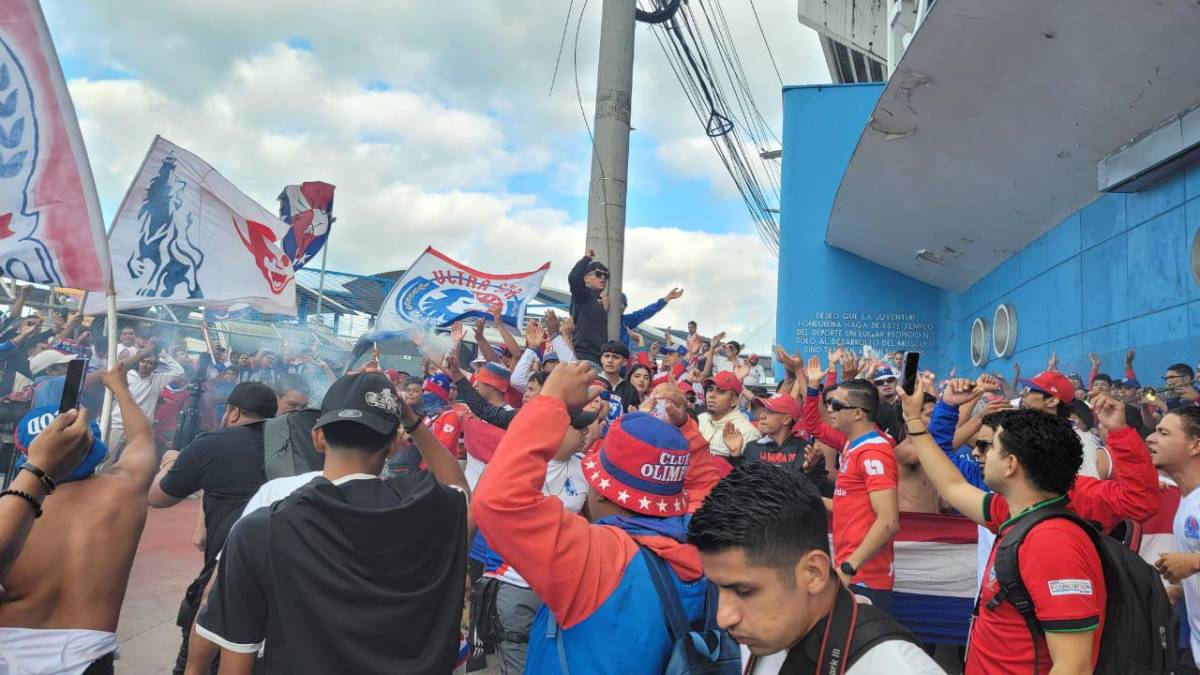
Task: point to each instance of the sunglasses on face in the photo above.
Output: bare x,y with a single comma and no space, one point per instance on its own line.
886,380
983,446
837,406
600,274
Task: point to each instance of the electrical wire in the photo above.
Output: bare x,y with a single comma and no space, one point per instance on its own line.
562,41
700,50
765,42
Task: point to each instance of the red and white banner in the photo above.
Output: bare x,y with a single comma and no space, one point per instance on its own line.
185,235
51,229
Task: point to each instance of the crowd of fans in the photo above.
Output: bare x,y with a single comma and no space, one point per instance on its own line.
567,502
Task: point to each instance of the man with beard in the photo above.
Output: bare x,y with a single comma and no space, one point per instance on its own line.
228,466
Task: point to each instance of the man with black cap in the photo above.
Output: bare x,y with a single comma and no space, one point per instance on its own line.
327,575
228,465
589,306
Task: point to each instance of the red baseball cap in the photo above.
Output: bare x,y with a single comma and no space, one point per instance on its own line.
784,404
725,381
1053,383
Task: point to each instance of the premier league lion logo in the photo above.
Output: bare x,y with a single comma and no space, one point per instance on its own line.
166,255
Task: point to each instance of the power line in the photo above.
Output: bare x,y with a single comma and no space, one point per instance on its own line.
700,51
765,42
561,43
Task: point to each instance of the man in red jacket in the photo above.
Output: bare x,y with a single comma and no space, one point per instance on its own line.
601,612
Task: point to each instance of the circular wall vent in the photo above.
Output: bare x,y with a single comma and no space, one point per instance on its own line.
1004,331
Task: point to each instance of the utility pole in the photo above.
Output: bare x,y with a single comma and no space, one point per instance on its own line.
610,153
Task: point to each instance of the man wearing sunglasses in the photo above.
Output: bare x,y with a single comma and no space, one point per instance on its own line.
589,307
865,506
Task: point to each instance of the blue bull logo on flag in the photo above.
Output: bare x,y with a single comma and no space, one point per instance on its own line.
437,291
307,209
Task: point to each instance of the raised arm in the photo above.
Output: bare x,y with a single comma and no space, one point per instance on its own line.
571,565
945,476
1132,492
575,277
485,347
509,341
813,422
57,450
441,462
137,462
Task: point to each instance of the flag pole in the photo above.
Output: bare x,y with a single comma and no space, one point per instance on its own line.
321,283
111,324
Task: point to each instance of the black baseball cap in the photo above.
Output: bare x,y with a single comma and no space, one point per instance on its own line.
366,398
597,265
255,398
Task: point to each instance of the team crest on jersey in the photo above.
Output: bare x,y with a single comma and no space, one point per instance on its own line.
1191,527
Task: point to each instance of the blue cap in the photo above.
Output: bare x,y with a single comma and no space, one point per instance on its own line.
677,349
38,419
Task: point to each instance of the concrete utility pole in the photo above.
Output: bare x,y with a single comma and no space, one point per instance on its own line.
610,156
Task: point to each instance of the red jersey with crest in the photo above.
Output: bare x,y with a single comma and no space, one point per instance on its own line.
868,464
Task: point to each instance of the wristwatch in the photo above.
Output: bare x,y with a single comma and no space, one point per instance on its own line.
847,568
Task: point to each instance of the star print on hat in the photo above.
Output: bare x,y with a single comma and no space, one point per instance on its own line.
641,466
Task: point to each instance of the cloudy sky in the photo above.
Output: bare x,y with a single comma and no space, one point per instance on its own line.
437,124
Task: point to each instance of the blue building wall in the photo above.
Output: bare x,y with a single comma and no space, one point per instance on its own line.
1114,275
874,305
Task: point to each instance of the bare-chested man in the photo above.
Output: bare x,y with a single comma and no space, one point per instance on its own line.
64,593
914,491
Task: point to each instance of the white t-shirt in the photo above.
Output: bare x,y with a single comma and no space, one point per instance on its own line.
756,375
1091,450
1187,540
276,489
894,657
713,431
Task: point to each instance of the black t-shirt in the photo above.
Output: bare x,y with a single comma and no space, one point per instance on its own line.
228,466
790,456
366,577
628,394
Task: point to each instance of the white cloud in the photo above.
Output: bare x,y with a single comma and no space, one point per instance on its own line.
428,161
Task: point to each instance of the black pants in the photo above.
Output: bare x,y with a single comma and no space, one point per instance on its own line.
101,666
188,609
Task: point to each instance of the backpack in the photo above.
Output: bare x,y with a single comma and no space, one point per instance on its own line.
1139,625
288,447
710,651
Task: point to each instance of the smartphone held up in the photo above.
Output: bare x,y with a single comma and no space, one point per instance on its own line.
912,364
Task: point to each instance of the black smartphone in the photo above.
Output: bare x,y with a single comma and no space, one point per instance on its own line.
72,386
912,362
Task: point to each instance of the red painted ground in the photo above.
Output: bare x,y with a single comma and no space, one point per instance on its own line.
166,563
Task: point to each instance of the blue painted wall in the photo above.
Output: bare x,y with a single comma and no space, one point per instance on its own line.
1114,275
820,130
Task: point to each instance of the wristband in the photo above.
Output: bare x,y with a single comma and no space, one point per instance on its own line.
37,506
916,433
408,429
41,475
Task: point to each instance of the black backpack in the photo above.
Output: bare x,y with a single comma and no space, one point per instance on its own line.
288,447
1139,625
